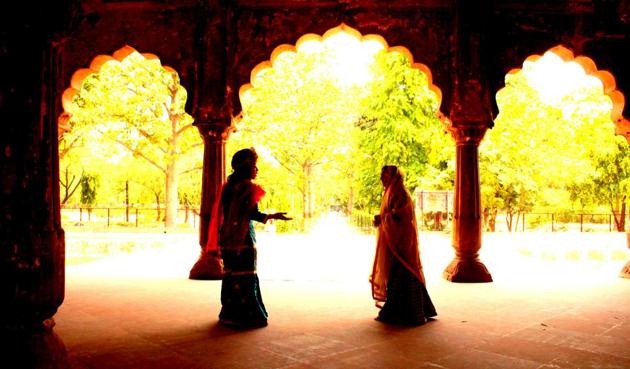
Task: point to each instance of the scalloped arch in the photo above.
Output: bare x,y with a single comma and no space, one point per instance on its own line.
284,48
95,66
609,86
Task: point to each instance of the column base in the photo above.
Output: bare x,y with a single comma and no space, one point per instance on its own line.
208,267
467,271
625,272
35,349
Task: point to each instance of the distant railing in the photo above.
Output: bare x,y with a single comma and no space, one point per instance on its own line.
363,221
131,216
560,222
527,222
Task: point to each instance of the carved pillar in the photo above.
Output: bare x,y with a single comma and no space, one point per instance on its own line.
32,246
215,133
471,115
467,220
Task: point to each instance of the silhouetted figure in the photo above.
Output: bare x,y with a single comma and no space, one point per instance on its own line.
232,231
397,279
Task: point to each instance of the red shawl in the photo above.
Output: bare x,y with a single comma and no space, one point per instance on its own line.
233,223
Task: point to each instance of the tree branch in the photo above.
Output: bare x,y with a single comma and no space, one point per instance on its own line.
191,170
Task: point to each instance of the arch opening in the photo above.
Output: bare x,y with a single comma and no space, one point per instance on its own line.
129,154
553,162
342,61
368,103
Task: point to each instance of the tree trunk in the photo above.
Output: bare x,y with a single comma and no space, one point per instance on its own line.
309,192
127,201
157,207
619,215
492,222
172,201
508,220
486,218
350,206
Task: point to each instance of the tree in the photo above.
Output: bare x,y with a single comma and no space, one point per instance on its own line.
139,104
189,193
400,126
609,183
302,117
89,186
542,143
330,137
69,176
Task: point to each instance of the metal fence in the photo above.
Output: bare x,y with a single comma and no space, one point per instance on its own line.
136,216
528,222
560,222
132,216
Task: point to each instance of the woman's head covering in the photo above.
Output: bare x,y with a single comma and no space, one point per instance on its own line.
244,158
394,173
397,237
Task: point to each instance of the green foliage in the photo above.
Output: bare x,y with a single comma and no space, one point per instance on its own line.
399,126
299,117
89,185
543,148
322,142
608,183
138,105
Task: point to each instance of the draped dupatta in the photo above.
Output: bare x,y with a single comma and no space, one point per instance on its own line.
229,223
397,238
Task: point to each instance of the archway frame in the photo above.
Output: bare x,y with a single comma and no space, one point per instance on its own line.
278,50
609,85
76,81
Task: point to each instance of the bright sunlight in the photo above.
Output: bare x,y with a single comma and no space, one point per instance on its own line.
325,115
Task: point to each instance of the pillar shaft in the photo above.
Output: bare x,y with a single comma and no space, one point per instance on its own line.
214,135
467,220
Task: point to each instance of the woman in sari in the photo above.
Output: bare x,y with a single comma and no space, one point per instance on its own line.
398,284
232,232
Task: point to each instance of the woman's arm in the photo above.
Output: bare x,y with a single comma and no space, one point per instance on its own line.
261,217
258,216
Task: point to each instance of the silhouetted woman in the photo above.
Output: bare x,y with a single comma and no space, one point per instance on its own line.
397,279
232,229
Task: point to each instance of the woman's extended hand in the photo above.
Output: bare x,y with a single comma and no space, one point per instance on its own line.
280,216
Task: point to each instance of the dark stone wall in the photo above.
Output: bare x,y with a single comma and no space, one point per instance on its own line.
423,27
595,29
214,44
169,31
31,238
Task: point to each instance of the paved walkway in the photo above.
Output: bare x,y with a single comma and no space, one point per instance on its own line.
551,310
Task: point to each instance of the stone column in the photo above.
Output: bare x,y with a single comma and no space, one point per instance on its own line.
471,115
214,133
32,244
467,220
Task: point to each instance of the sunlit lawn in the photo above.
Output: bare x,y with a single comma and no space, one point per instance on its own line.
334,253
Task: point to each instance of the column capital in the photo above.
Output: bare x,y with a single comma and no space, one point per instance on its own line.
215,129
467,134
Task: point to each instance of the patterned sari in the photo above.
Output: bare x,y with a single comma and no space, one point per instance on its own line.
241,300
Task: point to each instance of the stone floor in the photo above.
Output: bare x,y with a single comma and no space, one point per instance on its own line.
556,302
140,311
